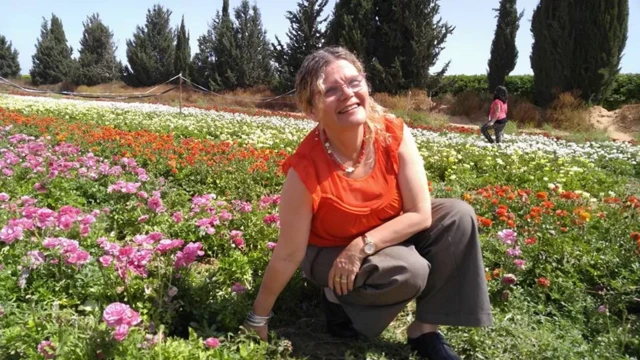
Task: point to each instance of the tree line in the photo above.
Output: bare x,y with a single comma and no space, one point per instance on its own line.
578,46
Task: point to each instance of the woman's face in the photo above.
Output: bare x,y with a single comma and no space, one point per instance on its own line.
345,98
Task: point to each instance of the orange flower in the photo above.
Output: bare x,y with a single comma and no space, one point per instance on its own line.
542,195
483,221
543,282
530,241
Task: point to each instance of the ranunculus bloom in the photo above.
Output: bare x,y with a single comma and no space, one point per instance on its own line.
121,332
602,309
509,279
47,349
238,288
105,260
212,343
4,197
507,236
519,263
271,245
543,282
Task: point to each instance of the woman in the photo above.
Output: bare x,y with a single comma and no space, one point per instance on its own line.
356,214
497,115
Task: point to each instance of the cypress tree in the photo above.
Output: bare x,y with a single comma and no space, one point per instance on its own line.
305,36
600,29
9,64
551,52
97,62
183,52
225,51
504,53
253,48
52,61
151,51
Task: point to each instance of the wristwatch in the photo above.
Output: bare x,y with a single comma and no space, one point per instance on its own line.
369,246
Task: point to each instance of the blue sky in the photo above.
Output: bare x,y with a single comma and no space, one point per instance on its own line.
468,48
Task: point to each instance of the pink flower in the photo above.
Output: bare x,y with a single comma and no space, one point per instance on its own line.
235,233
507,236
271,245
167,245
105,260
4,197
36,258
79,257
238,288
602,309
143,218
47,349
177,217
51,243
212,343
238,242
117,314
509,279
514,252
155,204
272,219
188,255
11,233
121,332
519,263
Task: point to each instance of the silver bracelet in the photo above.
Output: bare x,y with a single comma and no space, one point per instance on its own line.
257,321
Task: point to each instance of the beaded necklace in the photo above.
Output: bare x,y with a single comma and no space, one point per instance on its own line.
338,162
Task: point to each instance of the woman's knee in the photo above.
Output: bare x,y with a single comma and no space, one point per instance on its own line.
461,213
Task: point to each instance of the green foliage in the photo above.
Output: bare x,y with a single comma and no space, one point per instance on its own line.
564,59
9,64
626,87
352,26
305,36
182,61
504,53
52,61
151,51
97,60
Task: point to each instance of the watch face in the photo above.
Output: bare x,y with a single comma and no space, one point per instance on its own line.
369,248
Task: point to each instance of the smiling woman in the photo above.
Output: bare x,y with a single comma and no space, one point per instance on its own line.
392,243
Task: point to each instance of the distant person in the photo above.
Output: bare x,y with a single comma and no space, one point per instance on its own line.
357,218
497,115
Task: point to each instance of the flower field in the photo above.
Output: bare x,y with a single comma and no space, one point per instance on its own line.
131,231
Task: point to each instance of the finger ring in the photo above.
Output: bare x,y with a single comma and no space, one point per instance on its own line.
343,280
337,278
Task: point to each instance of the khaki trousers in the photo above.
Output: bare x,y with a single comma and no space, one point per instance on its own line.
441,268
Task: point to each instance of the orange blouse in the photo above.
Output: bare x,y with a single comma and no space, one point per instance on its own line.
344,208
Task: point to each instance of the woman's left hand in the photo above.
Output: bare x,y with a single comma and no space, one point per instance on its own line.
345,267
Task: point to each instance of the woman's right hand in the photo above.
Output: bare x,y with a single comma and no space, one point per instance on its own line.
262,331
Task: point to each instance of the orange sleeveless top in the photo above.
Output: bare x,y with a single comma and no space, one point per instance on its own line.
344,208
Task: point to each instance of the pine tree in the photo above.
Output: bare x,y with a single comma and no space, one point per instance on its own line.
600,30
253,48
151,51
181,63
9,64
305,36
504,53
52,61
97,62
